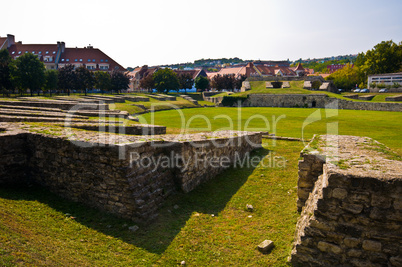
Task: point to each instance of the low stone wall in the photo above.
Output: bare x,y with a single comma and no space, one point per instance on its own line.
141,129
353,215
13,157
315,101
65,105
130,180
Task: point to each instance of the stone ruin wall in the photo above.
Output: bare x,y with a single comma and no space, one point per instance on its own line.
347,219
315,101
102,177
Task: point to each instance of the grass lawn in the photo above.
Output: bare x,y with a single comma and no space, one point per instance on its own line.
209,226
382,126
39,228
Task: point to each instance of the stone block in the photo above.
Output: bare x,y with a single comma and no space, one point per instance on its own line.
354,253
371,245
381,201
329,247
351,242
339,193
353,208
266,246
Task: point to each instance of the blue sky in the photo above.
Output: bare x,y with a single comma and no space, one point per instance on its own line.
155,32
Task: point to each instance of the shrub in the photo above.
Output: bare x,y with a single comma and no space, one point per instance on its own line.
229,101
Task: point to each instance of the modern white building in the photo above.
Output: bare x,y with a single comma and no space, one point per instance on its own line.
387,79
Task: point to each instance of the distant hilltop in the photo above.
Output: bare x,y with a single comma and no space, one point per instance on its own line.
218,63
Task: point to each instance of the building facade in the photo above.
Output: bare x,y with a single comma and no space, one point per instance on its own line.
386,79
55,56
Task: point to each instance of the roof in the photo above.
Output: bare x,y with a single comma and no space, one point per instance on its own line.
268,70
299,67
386,74
42,50
194,73
2,41
88,56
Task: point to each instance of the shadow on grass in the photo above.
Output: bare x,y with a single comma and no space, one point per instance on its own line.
155,237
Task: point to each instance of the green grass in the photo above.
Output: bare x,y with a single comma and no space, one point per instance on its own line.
38,228
382,126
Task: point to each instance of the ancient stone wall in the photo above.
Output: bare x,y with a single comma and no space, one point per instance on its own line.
353,215
315,101
13,157
130,180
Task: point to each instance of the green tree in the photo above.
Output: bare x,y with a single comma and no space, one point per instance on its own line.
84,79
238,82
67,78
5,75
166,80
119,81
186,81
51,77
147,83
103,81
347,77
385,57
28,72
201,83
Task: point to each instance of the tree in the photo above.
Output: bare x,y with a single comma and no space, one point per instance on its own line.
119,81
147,83
201,83
67,78
346,78
84,79
186,81
28,72
103,81
166,80
5,75
51,77
238,82
226,81
385,57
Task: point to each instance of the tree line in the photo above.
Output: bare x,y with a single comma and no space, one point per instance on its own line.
166,80
28,72
385,57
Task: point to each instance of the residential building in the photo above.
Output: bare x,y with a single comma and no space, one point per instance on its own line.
56,56
137,74
262,69
334,67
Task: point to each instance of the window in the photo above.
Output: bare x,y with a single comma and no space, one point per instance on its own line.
80,59
13,53
40,52
89,60
67,60
75,60
33,52
93,60
106,60
19,53
47,52
62,60
101,60
54,52
26,52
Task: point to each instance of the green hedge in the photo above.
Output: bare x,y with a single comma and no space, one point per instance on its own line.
228,101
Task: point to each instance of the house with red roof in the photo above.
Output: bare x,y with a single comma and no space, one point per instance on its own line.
56,56
262,69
